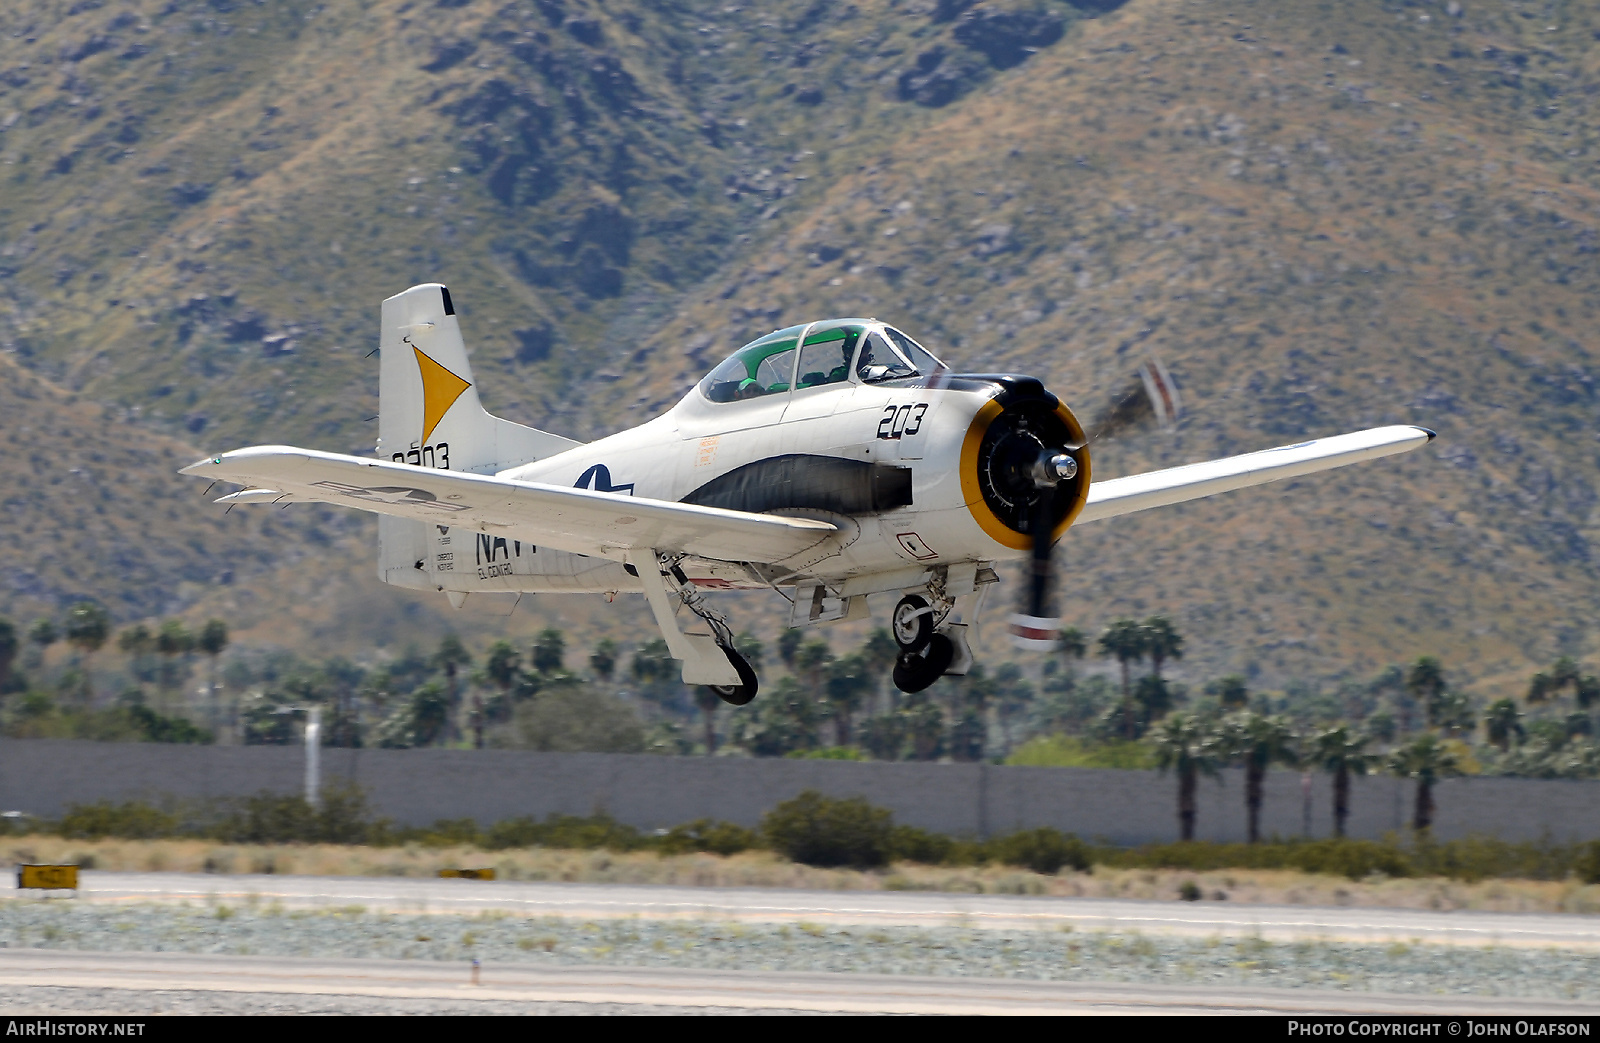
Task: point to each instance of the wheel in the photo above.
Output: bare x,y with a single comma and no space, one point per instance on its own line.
912,623
745,690
913,673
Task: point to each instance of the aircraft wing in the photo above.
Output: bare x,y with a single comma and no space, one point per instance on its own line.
1140,492
578,520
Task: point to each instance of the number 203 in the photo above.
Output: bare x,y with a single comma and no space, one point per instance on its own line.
898,421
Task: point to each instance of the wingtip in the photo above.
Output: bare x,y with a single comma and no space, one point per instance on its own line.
1432,434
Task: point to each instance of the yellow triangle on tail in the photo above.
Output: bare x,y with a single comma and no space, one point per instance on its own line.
440,389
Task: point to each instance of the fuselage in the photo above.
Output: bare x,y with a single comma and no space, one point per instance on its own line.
903,463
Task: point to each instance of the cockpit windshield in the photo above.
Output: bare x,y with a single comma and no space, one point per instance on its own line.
919,357
891,355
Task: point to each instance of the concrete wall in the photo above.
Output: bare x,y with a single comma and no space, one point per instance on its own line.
416,787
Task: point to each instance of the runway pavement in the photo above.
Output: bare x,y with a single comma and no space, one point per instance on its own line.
37,981
901,908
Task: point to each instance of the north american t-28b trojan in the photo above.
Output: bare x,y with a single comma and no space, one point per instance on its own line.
838,463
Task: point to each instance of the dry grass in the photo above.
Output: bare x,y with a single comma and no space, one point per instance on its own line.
764,869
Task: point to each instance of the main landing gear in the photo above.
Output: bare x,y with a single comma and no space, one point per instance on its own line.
745,690
732,694
709,660
925,654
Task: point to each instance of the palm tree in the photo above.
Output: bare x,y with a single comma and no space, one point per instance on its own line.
213,639
1162,642
453,655
1343,754
1427,760
603,660
1502,724
136,643
1013,696
1258,741
879,653
789,643
549,651
1124,641
1072,645
708,701
846,686
42,634
1424,682
172,641
1187,744
8,651
1231,692
88,625
502,666
810,659
1564,673
430,714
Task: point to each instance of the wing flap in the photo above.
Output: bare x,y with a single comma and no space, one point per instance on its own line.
578,520
1141,492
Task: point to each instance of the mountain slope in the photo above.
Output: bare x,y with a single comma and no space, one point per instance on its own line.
1316,235
1321,215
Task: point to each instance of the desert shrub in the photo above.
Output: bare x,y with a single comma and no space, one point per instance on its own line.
716,837
596,831
132,820
910,844
1588,864
817,830
563,831
512,832
452,832
1354,859
1479,857
1041,850
1469,858
1351,858
275,818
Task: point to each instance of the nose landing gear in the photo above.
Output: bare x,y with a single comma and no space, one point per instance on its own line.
925,654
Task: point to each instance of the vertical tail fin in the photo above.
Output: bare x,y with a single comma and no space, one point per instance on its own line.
428,408
429,415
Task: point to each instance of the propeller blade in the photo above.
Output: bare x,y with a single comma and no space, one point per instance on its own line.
1149,398
1034,629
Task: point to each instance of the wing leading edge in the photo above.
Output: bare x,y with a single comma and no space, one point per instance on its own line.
1141,492
578,520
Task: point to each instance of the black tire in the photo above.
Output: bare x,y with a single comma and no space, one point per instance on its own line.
913,673
911,635
741,693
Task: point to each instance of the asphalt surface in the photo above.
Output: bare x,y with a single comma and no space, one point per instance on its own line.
898,908
36,981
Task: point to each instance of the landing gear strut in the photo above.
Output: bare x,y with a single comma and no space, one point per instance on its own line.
732,694
707,659
925,654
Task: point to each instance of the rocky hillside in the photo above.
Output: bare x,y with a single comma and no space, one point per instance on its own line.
1321,215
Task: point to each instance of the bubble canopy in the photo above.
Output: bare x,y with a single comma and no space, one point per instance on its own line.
816,354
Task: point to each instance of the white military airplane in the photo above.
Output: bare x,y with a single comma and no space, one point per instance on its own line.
838,462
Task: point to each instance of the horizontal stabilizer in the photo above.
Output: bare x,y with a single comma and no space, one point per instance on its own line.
1141,492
